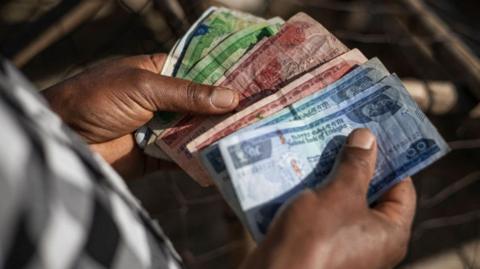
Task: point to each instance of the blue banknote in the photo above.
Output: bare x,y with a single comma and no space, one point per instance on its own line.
352,84
269,165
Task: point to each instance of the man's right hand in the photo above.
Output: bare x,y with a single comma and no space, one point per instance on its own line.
105,104
333,226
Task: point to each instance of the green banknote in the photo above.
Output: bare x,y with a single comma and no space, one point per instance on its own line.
212,67
206,34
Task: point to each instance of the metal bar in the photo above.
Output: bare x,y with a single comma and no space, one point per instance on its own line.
68,22
174,15
192,9
450,50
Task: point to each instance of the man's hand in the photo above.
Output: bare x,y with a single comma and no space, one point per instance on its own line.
333,227
107,103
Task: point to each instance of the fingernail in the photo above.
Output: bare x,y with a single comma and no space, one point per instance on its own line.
223,98
361,138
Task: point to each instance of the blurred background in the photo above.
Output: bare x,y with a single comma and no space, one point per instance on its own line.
433,45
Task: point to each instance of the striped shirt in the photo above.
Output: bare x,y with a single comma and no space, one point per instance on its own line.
62,206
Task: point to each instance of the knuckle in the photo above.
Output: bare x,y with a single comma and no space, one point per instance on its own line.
194,94
307,199
356,163
140,79
303,207
157,61
353,174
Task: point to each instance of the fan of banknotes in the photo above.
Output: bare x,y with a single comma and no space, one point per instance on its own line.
301,93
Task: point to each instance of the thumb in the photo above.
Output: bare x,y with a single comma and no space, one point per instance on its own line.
172,94
355,166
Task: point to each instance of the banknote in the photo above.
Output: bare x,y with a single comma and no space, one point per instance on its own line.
213,26
213,163
305,85
212,67
301,45
269,165
357,81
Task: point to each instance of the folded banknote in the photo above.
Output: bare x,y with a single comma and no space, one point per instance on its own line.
269,165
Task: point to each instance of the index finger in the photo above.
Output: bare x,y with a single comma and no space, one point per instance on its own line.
399,203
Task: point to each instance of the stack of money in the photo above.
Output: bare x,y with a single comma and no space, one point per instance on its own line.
301,93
